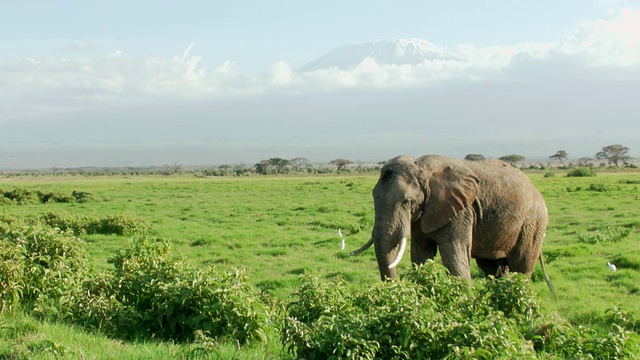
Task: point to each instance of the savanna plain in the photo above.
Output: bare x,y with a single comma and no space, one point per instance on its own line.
260,257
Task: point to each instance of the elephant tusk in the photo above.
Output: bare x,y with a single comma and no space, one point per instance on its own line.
403,244
362,248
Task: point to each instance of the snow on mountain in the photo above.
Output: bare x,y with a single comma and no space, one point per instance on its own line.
390,52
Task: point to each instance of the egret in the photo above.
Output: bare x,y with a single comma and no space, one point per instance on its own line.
342,245
611,266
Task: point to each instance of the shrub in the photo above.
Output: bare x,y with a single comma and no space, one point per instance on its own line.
11,275
430,314
599,187
435,316
82,196
581,172
151,294
120,224
549,174
66,222
55,198
21,196
607,233
39,264
513,295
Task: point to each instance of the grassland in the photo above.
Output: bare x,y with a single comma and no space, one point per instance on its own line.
278,228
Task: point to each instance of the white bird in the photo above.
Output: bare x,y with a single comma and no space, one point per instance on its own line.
342,245
611,266
339,232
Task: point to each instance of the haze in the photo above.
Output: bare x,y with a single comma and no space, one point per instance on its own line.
152,83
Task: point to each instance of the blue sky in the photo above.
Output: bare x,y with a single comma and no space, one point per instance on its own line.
193,82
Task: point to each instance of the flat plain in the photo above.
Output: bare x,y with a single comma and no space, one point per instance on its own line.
281,227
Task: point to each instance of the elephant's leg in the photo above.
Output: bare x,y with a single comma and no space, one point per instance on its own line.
523,257
454,241
497,267
456,256
422,248
422,251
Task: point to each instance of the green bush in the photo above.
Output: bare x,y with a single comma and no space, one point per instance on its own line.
599,187
513,295
21,196
39,264
435,317
151,294
582,172
549,174
82,196
55,198
24,196
430,314
66,222
120,224
606,233
11,275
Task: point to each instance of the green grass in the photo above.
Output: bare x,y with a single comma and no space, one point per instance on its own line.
279,228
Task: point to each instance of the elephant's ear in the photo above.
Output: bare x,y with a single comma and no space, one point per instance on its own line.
449,191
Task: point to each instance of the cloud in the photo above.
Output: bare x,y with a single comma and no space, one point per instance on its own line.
34,87
607,42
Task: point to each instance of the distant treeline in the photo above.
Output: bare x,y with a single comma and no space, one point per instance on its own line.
203,171
277,166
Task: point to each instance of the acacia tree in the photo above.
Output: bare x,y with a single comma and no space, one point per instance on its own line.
279,164
341,163
263,167
585,161
474,157
561,154
614,154
512,159
298,163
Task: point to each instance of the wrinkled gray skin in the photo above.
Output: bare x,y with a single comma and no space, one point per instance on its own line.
486,210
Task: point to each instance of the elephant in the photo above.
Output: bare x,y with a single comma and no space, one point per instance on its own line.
486,210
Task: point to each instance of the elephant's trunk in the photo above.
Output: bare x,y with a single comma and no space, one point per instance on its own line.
390,244
362,248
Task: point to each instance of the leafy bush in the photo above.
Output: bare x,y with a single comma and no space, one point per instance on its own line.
11,275
630,181
82,196
21,196
513,295
599,187
549,174
24,196
582,172
112,224
38,264
607,233
150,294
66,222
435,317
118,225
430,314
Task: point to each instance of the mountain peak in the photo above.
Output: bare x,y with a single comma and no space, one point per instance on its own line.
390,52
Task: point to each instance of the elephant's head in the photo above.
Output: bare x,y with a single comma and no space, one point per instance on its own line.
426,193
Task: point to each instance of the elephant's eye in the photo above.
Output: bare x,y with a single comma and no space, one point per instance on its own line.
407,202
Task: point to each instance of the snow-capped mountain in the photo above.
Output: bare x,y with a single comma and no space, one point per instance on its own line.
396,52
